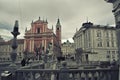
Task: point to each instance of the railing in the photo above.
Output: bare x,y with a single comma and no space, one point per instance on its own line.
74,74
6,67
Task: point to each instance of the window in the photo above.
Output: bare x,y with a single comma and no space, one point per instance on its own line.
89,45
107,34
108,55
99,44
38,30
113,54
108,45
98,33
112,42
112,34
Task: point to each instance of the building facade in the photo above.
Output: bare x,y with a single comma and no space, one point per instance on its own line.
98,42
67,48
40,38
5,49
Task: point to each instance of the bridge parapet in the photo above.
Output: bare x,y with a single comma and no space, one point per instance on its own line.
74,74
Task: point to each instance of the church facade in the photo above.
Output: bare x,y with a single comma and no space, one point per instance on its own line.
40,39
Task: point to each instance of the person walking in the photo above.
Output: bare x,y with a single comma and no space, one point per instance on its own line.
64,75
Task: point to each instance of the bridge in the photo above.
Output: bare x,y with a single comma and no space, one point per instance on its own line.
51,70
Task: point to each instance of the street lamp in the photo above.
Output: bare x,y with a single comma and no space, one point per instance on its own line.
14,45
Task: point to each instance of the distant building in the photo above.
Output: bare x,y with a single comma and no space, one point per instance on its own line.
98,42
40,38
5,49
67,48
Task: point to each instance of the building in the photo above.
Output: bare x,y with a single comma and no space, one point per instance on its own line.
5,49
67,48
39,39
98,42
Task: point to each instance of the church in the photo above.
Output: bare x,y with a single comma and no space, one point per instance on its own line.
39,39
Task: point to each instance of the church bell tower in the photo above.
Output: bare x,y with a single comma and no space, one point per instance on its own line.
58,31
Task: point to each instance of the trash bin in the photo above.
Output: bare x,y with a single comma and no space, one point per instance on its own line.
6,75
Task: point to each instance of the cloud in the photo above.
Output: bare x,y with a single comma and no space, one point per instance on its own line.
5,26
72,13
6,34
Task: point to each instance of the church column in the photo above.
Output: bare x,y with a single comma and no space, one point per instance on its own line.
33,45
25,44
30,44
42,42
45,43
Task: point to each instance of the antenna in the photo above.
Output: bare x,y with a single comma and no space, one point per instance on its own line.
87,19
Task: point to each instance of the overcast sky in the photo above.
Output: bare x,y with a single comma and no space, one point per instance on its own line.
72,14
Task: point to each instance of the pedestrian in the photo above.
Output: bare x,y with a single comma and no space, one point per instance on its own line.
64,75
23,62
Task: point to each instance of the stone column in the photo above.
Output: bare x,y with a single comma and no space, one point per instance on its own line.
14,45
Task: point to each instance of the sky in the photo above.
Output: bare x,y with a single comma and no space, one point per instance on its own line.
72,13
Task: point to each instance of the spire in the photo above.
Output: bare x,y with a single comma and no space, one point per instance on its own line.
58,23
39,18
32,23
46,21
26,29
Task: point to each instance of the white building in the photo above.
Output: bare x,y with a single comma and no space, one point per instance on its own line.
97,41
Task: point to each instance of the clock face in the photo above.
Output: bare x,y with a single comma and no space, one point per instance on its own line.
57,28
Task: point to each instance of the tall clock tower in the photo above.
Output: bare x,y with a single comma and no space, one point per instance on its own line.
58,31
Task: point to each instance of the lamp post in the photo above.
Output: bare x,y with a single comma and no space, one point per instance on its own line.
14,45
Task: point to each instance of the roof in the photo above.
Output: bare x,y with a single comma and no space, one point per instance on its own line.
89,25
19,41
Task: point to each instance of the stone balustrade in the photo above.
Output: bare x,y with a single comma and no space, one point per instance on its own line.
74,74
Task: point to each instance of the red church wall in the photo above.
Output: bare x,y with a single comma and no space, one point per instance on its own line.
33,39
